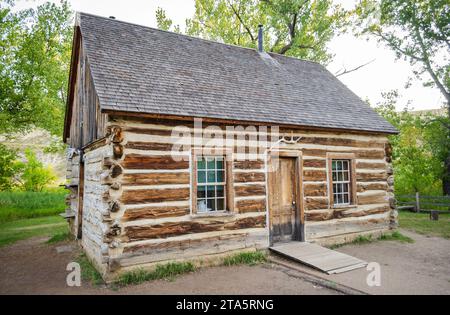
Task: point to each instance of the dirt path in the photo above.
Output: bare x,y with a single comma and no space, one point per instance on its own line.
33,267
422,267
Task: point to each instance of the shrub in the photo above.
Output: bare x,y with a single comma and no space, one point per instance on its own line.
35,176
8,167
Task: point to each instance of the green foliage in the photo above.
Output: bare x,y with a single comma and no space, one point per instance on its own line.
35,47
14,231
9,167
16,205
367,239
35,176
88,271
396,236
419,151
59,237
416,31
296,28
246,258
167,271
421,223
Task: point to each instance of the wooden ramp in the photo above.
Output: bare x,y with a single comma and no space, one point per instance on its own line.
318,257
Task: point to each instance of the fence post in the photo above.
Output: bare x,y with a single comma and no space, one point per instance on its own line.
417,202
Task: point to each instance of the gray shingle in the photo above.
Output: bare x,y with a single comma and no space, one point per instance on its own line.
141,69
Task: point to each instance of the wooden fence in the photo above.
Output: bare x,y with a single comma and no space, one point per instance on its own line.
422,203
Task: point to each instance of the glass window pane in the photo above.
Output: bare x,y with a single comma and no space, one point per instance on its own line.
201,176
339,165
334,176
211,204
210,163
219,163
211,193
346,176
333,165
211,176
340,177
346,198
220,177
201,205
345,187
201,192
345,165
219,190
220,204
201,163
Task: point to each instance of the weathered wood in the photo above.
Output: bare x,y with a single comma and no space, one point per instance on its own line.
362,187
314,175
244,206
116,171
315,190
252,164
371,177
164,230
316,203
250,190
372,198
155,179
344,142
137,161
154,195
371,165
155,212
117,151
139,145
249,177
315,163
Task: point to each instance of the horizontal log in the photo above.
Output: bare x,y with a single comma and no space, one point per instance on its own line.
249,164
314,175
164,230
149,131
315,190
249,177
316,203
359,154
344,142
244,206
370,177
155,212
156,179
181,245
139,145
315,163
138,161
250,190
363,212
362,187
372,199
318,215
371,165
154,195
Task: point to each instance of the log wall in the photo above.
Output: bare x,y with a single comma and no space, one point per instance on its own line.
141,208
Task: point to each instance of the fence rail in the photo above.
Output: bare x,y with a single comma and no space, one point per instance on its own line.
423,203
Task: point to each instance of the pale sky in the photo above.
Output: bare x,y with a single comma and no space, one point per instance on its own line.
383,74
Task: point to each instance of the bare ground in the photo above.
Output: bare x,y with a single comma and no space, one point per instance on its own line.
33,267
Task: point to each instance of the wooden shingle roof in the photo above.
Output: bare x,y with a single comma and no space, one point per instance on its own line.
144,70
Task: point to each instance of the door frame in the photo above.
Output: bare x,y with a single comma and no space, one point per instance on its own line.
299,226
80,197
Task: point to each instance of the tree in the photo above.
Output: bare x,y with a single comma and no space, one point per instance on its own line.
9,167
35,47
417,31
418,149
299,28
35,176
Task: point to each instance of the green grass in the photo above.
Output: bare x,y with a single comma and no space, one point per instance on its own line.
15,205
59,237
421,223
167,271
246,258
11,232
366,239
88,271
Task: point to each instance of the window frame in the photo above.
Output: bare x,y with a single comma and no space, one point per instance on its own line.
353,202
227,155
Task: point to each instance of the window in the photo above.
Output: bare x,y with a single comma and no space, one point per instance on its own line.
341,181
211,184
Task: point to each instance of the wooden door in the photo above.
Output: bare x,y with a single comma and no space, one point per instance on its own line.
284,200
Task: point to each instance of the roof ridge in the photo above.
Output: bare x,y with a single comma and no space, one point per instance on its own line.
196,38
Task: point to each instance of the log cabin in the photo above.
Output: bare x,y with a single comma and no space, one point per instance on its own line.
182,148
